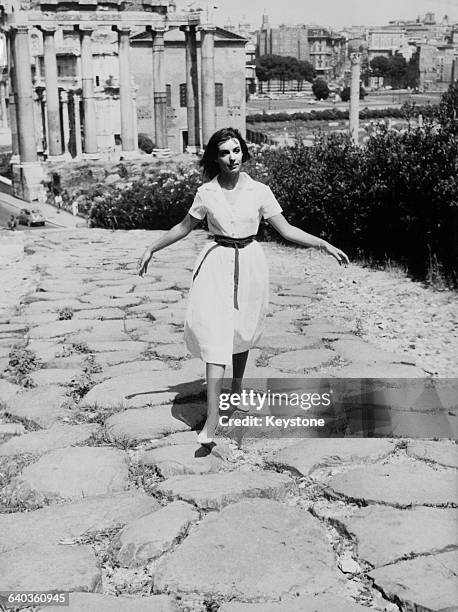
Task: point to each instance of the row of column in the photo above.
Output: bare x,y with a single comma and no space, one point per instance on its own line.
21,104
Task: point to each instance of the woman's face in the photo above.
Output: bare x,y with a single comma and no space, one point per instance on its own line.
229,157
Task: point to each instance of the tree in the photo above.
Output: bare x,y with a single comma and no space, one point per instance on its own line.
320,89
306,72
397,71
413,71
380,66
345,94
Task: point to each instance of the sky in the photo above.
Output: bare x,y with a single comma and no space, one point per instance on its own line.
334,13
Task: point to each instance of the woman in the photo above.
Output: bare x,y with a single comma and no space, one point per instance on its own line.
229,295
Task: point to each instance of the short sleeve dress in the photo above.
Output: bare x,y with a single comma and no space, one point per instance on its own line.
214,328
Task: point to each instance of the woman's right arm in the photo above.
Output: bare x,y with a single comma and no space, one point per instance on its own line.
176,233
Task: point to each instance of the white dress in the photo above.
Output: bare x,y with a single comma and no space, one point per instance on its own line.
214,328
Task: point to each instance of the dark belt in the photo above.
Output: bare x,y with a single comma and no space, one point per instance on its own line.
232,243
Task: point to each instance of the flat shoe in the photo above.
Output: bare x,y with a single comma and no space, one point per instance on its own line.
205,449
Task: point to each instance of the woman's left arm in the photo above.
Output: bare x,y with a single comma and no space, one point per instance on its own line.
294,234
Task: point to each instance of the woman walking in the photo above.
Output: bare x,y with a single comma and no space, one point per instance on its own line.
229,295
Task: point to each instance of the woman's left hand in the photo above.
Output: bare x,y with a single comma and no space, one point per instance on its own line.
341,257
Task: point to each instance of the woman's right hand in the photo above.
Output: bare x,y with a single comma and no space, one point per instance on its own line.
142,265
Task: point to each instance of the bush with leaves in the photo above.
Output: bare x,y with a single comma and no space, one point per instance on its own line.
151,202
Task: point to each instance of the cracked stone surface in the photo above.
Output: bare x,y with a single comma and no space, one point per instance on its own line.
444,453
42,405
148,537
78,472
299,361
180,459
69,521
285,551
386,535
140,424
142,388
218,490
57,436
48,567
400,484
428,581
307,454
266,524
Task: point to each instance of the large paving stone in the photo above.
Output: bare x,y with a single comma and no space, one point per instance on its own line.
50,567
72,520
55,376
96,602
112,358
104,331
42,405
78,472
214,491
143,388
7,391
253,549
150,536
45,440
286,341
441,452
100,314
358,351
132,367
304,456
60,328
385,535
400,484
179,459
125,346
140,424
424,583
317,603
299,361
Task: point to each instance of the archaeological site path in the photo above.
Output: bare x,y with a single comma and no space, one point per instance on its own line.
102,495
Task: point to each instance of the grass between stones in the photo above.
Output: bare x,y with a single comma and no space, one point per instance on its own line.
21,362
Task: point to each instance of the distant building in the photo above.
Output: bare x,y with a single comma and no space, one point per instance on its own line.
324,49
385,41
285,40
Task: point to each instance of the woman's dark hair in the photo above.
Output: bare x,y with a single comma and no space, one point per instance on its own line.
208,161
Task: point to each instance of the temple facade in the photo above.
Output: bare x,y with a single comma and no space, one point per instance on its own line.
79,81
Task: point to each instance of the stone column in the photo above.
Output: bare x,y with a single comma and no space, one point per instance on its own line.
76,107
87,83
355,59
192,91
65,122
159,93
24,94
4,121
52,93
125,91
207,50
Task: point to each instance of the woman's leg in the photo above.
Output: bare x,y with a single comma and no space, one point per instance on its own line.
215,374
238,370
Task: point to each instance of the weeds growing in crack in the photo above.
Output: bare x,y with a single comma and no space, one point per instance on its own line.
73,348
93,414
65,314
146,478
21,362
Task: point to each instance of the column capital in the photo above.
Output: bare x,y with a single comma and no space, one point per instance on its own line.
48,28
122,28
85,29
207,27
20,28
155,30
64,95
355,58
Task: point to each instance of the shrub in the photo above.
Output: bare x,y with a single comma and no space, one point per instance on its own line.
320,89
145,143
151,202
